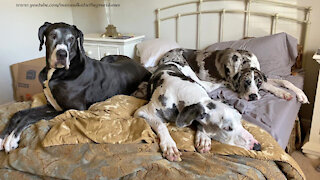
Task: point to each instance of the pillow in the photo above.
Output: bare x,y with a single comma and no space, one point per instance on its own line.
276,53
151,51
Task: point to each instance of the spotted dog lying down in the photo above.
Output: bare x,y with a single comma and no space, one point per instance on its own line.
240,70
179,96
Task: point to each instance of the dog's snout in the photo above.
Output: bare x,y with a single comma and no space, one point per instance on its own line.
253,97
257,147
61,54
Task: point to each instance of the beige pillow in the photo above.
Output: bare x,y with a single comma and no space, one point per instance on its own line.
151,51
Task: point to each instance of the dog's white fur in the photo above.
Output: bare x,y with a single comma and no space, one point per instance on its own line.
190,93
236,66
271,84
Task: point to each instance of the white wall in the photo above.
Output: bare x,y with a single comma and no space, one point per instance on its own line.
19,36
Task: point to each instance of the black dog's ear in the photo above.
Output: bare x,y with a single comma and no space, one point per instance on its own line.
41,32
189,114
79,38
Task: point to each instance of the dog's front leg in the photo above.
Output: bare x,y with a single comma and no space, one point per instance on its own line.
301,96
10,136
203,141
276,91
167,144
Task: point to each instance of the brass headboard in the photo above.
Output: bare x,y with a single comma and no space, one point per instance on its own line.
247,11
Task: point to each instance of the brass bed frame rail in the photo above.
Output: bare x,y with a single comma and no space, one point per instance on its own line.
247,11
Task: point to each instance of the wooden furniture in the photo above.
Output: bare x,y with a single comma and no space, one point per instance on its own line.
97,47
312,147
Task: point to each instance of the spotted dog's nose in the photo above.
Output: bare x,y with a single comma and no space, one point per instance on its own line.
257,147
61,54
253,97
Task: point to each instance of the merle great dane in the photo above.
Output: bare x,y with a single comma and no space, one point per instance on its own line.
71,80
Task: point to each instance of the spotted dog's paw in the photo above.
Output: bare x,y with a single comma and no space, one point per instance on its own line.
283,94
301,96
10,142
203,142
170,150
287,96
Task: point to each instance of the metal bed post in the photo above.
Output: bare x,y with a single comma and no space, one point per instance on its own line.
247,19
222,13
158,23
177,27
198,24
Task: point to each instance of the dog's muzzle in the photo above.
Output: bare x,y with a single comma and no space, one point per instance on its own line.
253,97
60,57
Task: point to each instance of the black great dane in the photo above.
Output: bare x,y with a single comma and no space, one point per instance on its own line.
71,80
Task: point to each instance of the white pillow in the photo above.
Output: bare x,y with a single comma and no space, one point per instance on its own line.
151,51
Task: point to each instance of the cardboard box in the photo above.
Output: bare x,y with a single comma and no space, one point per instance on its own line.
25,81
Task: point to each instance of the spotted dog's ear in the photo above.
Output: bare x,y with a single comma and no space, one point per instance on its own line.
189,114
236,81
79,38
41,32
261,74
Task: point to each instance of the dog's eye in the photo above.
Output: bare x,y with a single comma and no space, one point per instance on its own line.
235,58
71,39
228,128
53,36
248,82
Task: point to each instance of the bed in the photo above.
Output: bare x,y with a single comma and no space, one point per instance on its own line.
107,142
237,23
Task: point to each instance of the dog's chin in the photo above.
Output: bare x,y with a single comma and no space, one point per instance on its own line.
59,65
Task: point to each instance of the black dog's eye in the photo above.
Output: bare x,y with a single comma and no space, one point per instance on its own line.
248,82
228,128
53,36
71,39
235,58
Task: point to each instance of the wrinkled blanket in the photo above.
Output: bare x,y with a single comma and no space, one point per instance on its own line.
128,148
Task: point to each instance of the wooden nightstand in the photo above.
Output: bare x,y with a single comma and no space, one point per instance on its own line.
97,47
312,148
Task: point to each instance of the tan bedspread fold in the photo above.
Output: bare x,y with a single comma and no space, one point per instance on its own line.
134,148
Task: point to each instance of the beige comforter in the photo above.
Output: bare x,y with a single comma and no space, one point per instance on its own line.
107,142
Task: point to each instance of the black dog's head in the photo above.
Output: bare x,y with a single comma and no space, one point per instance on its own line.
248,82
63,42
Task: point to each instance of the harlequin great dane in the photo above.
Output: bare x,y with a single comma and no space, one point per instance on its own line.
72,80
179,96
238,70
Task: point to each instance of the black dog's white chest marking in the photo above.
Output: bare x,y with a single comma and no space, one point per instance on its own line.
47,91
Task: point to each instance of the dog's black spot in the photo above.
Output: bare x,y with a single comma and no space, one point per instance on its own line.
235,77
181,76
169,114
211,105
235,58
226,70
163,100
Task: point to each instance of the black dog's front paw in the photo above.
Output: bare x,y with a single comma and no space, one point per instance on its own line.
9,142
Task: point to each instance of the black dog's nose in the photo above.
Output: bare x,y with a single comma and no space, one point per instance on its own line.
61,54
257,147
253,97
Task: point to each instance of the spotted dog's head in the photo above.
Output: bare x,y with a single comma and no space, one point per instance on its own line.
174,56
228,62
248,83
220,122
63,42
